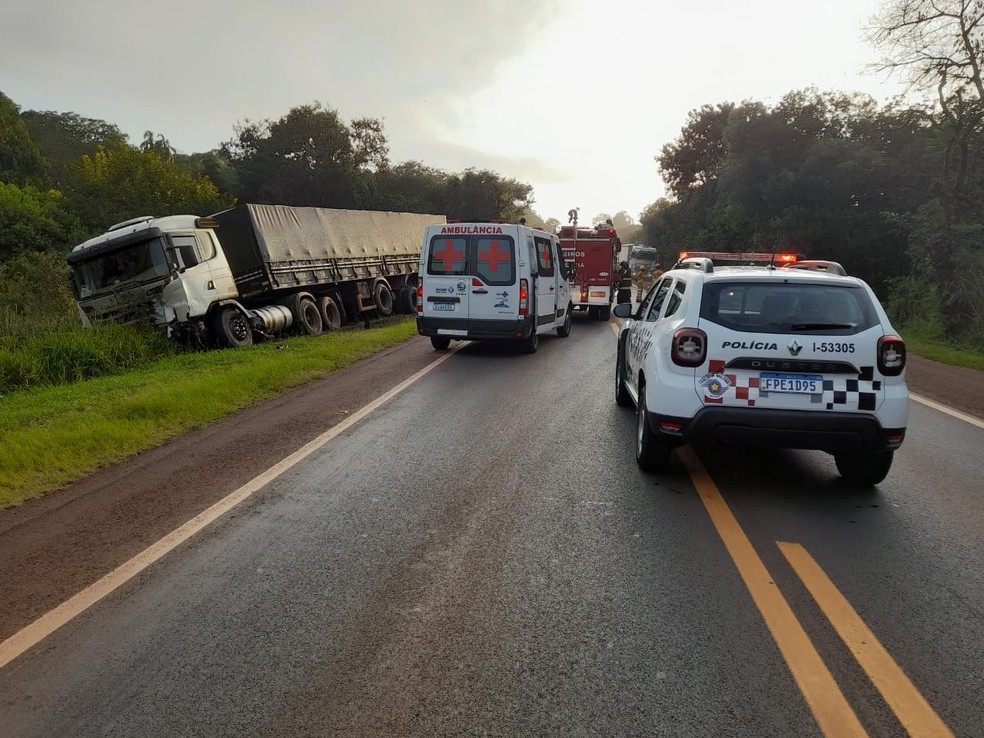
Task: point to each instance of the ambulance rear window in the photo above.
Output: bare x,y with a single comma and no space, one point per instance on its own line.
495,264
447,255
490,258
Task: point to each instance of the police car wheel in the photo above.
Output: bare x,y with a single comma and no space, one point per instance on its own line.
869,468
652,452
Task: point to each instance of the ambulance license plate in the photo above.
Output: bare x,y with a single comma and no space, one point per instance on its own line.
449,306
807,384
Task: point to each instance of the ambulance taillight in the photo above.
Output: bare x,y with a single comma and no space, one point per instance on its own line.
420,295
524,297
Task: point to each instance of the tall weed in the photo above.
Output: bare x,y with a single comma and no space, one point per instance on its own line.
70,356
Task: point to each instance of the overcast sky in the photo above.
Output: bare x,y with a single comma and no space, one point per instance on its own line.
575,98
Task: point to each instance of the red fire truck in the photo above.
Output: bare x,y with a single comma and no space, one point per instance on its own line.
594,252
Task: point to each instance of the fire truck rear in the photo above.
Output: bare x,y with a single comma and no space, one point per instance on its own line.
594,252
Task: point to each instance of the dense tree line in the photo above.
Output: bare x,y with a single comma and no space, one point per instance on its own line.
895,193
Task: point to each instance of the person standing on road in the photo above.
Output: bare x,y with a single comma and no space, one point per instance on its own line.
623,283
640,281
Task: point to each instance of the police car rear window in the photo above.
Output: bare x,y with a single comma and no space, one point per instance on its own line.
770,307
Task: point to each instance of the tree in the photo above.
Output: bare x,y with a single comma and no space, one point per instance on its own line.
117,184
159,144
695,157
21,161
939,45
309,157
410,187
63,138
32,220
485,195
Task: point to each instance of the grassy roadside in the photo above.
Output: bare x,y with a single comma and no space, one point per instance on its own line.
53,435
929,348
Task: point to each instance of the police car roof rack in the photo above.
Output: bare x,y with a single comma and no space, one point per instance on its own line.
818,265
696,262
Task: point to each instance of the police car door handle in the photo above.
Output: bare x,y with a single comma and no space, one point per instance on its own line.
480,292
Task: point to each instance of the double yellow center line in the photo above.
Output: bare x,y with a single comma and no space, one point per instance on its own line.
826,700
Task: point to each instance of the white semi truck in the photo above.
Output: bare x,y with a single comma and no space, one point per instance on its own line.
253,270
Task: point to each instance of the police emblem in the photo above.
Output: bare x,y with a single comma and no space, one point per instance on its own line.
715,384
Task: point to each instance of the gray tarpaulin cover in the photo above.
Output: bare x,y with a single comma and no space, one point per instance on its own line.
281,233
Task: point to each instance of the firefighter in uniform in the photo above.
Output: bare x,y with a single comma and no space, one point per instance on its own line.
623,281
640,280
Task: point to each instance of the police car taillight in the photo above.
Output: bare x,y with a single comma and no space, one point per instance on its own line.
420,295
891,355
524,297
689,347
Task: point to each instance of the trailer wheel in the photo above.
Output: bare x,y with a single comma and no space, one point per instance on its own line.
382,296
407,300
231,328
306,314
331,314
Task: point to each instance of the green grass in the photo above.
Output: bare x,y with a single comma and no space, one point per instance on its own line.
50,436
932,348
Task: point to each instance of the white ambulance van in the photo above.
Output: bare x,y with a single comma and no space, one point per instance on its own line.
491,281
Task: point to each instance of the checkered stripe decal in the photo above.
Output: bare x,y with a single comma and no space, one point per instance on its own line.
840,393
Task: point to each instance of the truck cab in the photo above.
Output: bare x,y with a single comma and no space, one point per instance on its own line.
162,271
491,281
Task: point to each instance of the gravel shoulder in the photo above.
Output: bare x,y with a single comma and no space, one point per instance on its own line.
54,546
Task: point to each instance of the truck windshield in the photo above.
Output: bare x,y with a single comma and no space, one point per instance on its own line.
138,262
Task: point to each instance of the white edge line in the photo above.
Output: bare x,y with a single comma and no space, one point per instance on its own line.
948,410
48,623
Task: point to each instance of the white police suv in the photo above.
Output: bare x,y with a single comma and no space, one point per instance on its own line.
792,354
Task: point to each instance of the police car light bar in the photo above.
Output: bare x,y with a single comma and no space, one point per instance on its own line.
757,257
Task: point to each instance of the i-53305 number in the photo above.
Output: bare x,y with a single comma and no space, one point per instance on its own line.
833,347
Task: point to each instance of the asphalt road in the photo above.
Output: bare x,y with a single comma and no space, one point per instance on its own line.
481,556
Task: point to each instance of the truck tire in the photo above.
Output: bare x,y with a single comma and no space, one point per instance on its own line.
605,313
440,343
382,296
331,314
231,328
306,314
408,299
